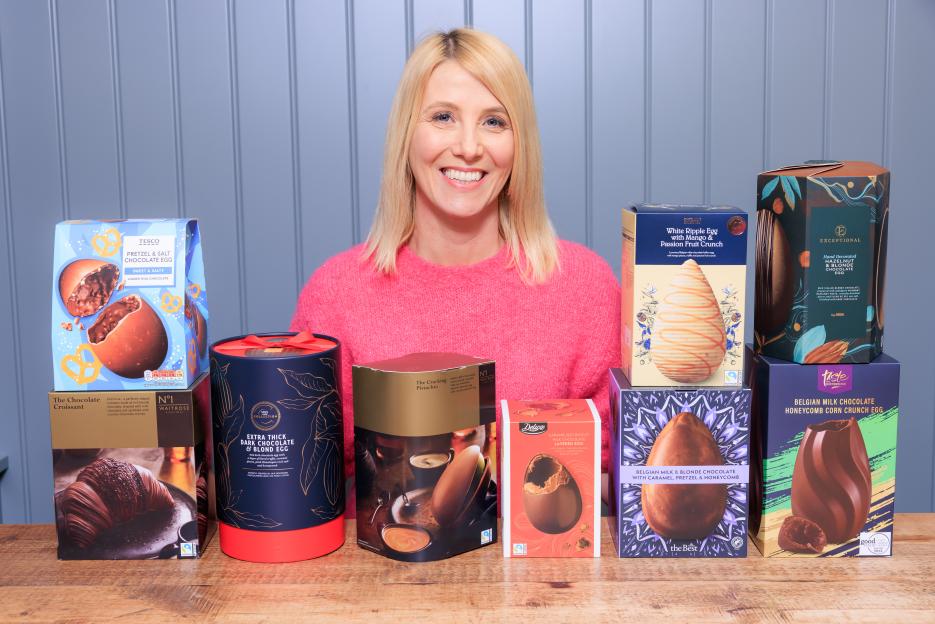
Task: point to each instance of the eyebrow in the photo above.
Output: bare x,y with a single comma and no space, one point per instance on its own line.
452,105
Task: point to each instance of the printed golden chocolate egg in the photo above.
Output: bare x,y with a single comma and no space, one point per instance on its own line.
86,285
458,483
684,510
129,338
774,275
689,341
551,496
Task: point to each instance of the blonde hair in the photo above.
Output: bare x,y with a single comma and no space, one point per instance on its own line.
523,221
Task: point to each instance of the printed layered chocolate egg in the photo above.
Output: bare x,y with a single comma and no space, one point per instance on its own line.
551,496
86,285
774,276
689,341
684,510
831,482
129,338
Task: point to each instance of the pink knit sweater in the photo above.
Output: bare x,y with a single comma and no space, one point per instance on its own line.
549,341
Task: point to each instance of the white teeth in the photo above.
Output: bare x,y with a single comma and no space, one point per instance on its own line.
463,176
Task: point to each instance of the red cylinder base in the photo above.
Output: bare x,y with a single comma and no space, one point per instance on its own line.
281,546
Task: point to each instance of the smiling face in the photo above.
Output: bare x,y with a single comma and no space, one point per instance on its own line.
461,152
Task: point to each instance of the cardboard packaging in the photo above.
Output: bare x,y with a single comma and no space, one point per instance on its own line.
823,457
679,471
551,478
821,262
134,476
425,451
129,305
683,276
279,435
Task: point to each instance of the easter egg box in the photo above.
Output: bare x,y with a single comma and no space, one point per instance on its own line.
129,305
684,275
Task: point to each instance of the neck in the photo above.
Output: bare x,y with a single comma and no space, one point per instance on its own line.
452,241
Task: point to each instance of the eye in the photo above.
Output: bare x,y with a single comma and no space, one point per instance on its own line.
442,117
497,123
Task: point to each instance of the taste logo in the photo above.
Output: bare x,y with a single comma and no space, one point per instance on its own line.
834,379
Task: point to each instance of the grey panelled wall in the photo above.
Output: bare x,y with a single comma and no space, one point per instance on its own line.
265,120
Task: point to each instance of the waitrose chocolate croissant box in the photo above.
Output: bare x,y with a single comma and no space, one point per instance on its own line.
683,275
129,305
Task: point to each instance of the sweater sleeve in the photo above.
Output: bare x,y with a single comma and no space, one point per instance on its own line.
598,343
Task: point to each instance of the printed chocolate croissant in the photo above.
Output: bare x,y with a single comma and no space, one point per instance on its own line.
108,492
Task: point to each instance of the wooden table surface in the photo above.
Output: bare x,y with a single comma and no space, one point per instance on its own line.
352,585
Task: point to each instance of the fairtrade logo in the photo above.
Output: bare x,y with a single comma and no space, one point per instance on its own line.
170,303
533,428
108,243
80,370
265,416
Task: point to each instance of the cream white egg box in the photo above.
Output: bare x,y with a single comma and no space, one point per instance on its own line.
684,281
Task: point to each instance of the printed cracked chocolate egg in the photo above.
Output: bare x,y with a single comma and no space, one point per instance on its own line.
684,510
774,275
551,496
86,285
689,341
129,338
199,327
831,481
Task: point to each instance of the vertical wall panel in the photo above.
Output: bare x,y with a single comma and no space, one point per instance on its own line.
208,155
910,295
35,204
504,18
324,141
617,83
678,75
856,90
430,16
558,74
147,108
92,150
797,82
736,109
266,162
378,26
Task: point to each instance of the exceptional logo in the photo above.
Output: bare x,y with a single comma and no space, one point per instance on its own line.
840,231
265,416
834,379
533,428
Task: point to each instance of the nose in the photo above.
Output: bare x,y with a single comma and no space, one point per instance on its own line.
468,144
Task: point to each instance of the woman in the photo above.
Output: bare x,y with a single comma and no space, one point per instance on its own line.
462,256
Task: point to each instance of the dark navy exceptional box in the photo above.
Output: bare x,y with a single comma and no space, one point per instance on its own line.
679,470
824,457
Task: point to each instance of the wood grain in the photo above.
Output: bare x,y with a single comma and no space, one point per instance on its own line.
358,586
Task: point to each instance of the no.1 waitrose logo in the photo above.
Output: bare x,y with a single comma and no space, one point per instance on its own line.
834,379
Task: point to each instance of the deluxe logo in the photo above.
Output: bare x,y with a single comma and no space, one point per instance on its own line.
834,379
264,416
533,428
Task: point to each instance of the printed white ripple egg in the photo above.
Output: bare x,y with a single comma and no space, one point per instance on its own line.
688,342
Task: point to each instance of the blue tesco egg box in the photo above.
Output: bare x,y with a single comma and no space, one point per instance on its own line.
129,305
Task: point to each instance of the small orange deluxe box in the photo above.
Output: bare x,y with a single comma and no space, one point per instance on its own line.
551,478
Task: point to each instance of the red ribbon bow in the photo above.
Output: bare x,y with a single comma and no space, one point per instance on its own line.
303,340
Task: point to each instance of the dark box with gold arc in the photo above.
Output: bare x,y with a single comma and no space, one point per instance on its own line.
425,454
